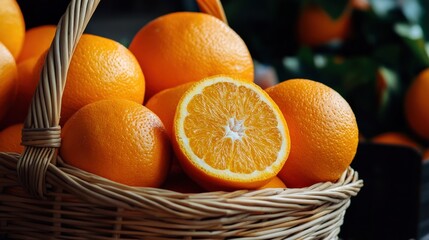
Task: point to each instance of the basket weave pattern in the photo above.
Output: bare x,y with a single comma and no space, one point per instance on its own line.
42,197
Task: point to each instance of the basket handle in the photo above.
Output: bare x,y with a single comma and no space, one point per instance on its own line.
41,134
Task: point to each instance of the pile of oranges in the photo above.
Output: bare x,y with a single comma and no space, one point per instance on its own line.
177,109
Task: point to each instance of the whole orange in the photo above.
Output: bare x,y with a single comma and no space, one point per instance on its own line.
275,182
164,104
12,26
426,155
417,104
362,5
26,85
316,27
395,138
323,131
8,76
37,41
187,46
100,69
120,140
10,139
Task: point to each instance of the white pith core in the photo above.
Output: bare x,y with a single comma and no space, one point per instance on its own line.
235,129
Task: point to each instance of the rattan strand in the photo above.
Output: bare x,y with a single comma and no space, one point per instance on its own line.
44,113
73,204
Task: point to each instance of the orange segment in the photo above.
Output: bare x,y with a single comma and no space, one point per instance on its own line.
229,134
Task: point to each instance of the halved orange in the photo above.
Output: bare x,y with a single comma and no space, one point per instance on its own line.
229,134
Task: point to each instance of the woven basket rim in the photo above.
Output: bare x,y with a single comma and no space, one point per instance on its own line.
313,212
105,192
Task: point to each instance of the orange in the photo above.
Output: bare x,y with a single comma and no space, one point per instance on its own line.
120,140
315,27
426,155
275,182
229,134
12,26
187,46
100,69
362,138
28,80
362,5
164,104
417,105
10,139
26,86
323,131
8,76
37,41
395,138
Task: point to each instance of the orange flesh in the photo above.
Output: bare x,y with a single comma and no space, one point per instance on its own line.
239,127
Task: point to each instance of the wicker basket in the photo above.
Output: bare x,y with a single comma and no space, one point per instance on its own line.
41,197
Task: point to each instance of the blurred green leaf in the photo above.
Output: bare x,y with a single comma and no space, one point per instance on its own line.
424,19
412,10
412,35
388,55
343,74
388,87
383,7
410,31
